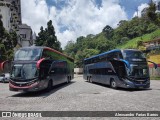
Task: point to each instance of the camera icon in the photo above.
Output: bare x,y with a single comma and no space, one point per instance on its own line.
6,114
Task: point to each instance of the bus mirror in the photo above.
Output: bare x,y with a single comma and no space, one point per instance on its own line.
155,65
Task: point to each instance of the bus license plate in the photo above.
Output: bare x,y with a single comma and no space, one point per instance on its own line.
141,87
20,91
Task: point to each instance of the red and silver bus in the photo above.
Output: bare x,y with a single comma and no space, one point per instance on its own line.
38,68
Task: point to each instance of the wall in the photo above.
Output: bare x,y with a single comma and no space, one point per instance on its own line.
154,72
78,70
6,15
25,32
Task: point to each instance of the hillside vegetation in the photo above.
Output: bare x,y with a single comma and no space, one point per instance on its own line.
128,34
133,43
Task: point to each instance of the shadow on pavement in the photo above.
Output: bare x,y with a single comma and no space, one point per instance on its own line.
43,93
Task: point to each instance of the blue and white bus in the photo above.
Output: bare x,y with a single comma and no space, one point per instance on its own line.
118,68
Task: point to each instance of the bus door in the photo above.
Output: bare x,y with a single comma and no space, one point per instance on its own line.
119,68
58,72
43,72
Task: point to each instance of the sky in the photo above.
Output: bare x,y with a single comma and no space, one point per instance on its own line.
74,18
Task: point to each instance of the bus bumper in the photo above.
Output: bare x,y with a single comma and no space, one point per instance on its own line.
134,85
31,88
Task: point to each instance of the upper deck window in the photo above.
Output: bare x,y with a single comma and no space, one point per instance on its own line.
133,54
28,54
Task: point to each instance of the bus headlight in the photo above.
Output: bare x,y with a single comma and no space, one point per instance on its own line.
133,65
127,81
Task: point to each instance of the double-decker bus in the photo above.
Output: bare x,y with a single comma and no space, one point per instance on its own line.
37,68
118,68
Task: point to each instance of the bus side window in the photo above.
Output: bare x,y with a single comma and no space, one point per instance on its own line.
112,56
46,54
109,57
120,55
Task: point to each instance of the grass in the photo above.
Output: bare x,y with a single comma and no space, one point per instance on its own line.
155,78
133,42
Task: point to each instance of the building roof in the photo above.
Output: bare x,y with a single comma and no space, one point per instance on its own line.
24,26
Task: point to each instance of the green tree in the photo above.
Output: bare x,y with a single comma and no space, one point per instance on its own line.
7,43
108,30
48,38
151,11
110,38
41,37
81,55
2,30
70,49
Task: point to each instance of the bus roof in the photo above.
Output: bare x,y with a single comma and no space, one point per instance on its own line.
115,50
47,48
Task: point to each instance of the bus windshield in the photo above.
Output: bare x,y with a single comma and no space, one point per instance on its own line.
138,64
139,70
24,71
28,54
132,54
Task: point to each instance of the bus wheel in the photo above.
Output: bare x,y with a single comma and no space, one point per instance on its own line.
68,79
49,87
90,79
87,79
3,81
113,84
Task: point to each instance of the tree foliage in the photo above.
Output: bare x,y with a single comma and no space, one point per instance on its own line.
7,43
109,38
81,55
108,31
47,37
151,11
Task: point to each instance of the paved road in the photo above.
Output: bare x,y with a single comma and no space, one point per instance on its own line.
82,96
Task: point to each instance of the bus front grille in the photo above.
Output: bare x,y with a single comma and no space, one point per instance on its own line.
19,84
140,82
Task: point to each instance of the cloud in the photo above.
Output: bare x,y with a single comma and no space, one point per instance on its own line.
76,18
34,13
139,9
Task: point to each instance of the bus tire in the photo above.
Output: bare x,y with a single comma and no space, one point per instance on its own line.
49,87
113,84
3,81
90,80
68,79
